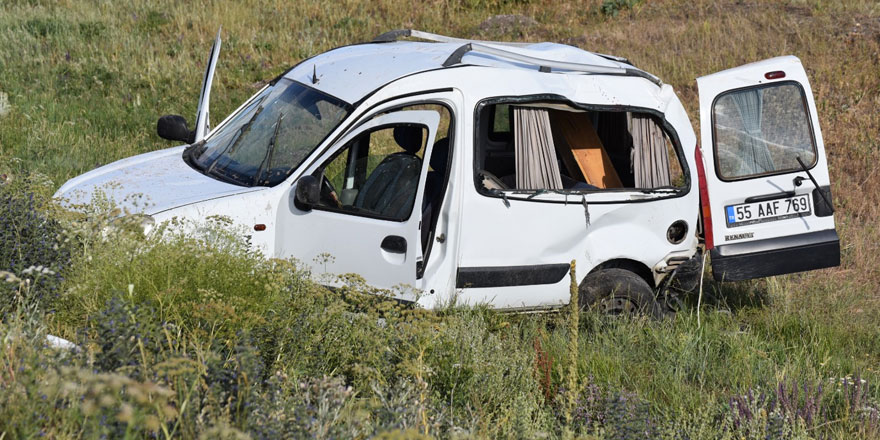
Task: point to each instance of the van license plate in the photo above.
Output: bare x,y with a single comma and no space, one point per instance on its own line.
771,210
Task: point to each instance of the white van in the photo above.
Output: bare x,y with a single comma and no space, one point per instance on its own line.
478,170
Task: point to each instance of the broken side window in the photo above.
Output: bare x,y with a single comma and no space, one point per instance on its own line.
558,148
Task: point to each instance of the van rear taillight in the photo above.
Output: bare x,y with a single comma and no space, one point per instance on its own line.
776,74
706,212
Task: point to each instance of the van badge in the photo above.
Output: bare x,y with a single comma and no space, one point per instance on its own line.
739,236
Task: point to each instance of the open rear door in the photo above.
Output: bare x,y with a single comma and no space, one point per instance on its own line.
770,207
202,122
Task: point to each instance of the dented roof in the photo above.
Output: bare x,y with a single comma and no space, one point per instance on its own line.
353,72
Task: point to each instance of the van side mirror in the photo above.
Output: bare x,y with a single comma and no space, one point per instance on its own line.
173,128
308,192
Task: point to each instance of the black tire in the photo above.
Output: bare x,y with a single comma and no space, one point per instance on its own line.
619,292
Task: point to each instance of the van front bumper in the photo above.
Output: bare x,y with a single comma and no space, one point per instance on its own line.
776,256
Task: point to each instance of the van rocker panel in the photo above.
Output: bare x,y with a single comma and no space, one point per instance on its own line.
504,276
776,256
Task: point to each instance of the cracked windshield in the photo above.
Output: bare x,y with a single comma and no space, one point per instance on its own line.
271,136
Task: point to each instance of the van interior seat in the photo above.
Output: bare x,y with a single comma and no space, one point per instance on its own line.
390,189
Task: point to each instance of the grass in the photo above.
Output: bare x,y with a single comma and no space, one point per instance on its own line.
218,342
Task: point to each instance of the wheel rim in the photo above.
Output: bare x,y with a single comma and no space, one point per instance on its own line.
616,305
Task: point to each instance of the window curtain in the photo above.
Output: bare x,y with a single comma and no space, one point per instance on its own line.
650,160
756,155
536,166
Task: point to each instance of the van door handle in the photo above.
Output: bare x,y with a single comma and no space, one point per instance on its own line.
766,197
394,244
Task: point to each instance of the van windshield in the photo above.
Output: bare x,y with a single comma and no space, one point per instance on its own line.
271,136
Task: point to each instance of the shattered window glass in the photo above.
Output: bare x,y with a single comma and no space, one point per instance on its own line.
762,130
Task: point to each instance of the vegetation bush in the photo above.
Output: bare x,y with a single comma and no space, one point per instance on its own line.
173,350
195,335
613,7
33,244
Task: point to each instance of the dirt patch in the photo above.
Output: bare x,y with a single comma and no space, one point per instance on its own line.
864,28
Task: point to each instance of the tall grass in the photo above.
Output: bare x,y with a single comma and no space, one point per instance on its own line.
199,337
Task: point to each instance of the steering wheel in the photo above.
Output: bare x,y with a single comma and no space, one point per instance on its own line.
328,193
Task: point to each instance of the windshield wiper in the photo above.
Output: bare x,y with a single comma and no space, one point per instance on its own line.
229,146
813,179
270,150
231,141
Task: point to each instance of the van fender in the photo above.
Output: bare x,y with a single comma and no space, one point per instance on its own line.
616,241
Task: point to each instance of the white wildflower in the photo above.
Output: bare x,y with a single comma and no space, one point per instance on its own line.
56,342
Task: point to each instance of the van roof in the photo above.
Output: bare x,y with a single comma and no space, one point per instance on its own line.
353,72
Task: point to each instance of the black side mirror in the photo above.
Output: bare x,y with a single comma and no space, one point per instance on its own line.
173,128
308,192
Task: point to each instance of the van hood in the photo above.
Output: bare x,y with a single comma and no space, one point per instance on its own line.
148,183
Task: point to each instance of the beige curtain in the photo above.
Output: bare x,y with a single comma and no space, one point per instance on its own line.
750,104
536,166
650,160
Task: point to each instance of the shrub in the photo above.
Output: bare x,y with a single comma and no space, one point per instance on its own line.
314,408
51,393
797,407
33,244
612,414
610,8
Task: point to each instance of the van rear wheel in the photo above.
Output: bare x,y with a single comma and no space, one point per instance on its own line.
619,292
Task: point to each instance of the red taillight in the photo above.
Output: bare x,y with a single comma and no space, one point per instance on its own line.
776,74
704,201
259,227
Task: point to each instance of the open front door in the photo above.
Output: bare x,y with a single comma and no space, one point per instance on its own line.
367,220
202,122
770,207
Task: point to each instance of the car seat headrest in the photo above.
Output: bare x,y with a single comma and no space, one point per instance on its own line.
440,154
409,138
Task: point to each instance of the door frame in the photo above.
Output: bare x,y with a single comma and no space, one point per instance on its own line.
785,245
440,257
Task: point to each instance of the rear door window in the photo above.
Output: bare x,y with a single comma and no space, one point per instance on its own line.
762,131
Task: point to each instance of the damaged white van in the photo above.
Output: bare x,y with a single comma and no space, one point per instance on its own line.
478,170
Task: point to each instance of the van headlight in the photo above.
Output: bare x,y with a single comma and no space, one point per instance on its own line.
147,223
131,223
